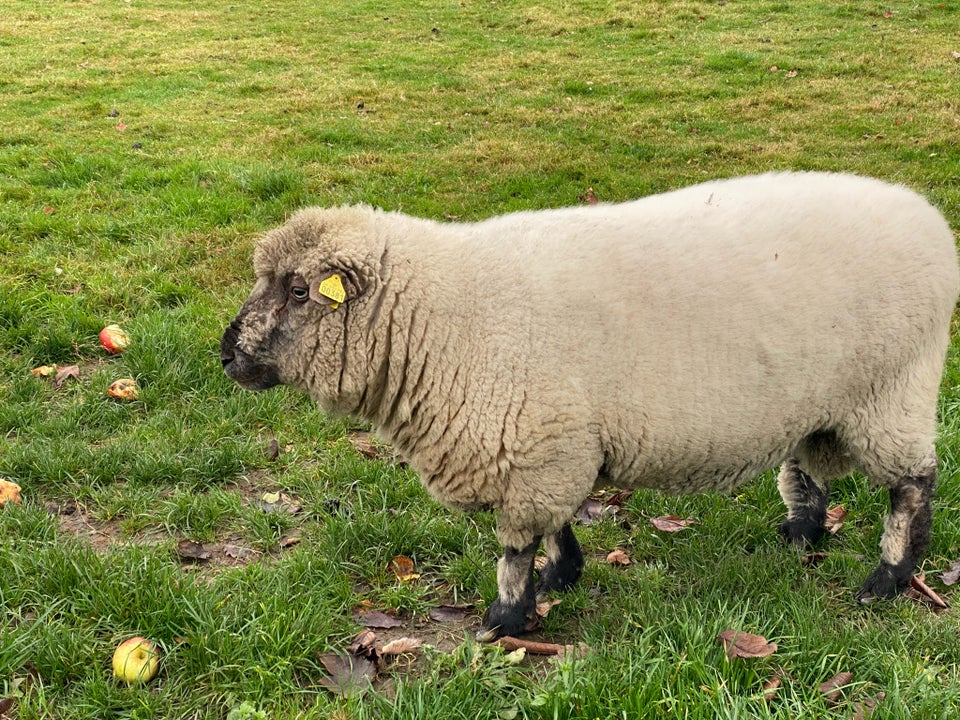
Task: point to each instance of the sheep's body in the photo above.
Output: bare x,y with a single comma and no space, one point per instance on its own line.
685,342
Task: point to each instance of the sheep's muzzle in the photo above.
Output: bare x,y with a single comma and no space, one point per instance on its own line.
244,369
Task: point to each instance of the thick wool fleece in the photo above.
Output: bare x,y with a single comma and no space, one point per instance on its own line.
685,341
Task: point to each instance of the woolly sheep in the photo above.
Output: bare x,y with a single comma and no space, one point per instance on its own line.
686,341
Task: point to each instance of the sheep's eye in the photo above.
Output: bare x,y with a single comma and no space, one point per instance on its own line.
300,294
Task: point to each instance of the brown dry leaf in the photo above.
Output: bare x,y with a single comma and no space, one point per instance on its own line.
377,619
401,646
288,541
544,608
237,552
951,574
364,645
590,511
194,551
5,705
862,709
124,389
745,645
771,686
618,557
589,197
363,443
64,374
9,492
349,675
450,613
832,689
403,567
272,451
814,558
834,520
921,592
619,498
672,523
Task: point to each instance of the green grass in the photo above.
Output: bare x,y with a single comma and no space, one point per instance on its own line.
143,145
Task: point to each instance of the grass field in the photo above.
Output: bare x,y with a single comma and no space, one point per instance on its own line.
145,144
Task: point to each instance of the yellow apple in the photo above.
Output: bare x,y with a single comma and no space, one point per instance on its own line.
136,660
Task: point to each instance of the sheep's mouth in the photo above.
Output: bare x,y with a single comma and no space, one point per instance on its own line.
244,370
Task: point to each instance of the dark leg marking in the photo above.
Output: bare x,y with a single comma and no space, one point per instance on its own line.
564,562
806,503
517,599
906,536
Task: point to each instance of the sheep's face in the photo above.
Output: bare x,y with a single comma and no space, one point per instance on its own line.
294,327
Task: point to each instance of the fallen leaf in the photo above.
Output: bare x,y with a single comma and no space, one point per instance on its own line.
590,511
589,197
403,567
378,620
64,374
364,645
792,73
190,550
44,370
834,520
951,574
124,389
363,443
270,498
288,541
955,54
832,689
272,451
619,498
401,646
745,645
349,675
672,523
921,592
814,558
450,613
544,608
864,709
618,557
5,705
237,552
9,492
771,686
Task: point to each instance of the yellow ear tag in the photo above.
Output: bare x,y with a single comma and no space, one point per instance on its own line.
332,288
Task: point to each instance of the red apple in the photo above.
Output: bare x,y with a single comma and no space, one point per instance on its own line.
114,339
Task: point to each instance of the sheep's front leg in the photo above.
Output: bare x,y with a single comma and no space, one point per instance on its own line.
564,561
806,502
906,535
517,600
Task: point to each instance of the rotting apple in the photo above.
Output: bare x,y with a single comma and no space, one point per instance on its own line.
9,492
124,389
114,339
136,660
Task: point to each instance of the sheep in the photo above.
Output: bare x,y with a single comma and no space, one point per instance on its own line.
687,342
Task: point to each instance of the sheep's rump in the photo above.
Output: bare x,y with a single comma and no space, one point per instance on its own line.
704,333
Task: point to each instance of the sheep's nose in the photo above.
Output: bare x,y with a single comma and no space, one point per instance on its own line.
228,343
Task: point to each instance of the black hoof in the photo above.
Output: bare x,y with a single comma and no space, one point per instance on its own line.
502,619
885,582
802,532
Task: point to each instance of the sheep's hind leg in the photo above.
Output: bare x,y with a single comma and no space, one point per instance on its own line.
564,561
517,599
806,501
906,535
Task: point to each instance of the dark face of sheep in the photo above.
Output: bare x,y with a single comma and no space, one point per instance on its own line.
293,330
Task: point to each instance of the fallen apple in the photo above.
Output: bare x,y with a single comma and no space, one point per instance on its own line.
114,339
9,492
136,660
124,389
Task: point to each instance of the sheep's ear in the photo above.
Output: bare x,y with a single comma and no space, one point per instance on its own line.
335,287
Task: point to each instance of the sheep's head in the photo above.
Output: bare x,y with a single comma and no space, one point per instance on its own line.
294,327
